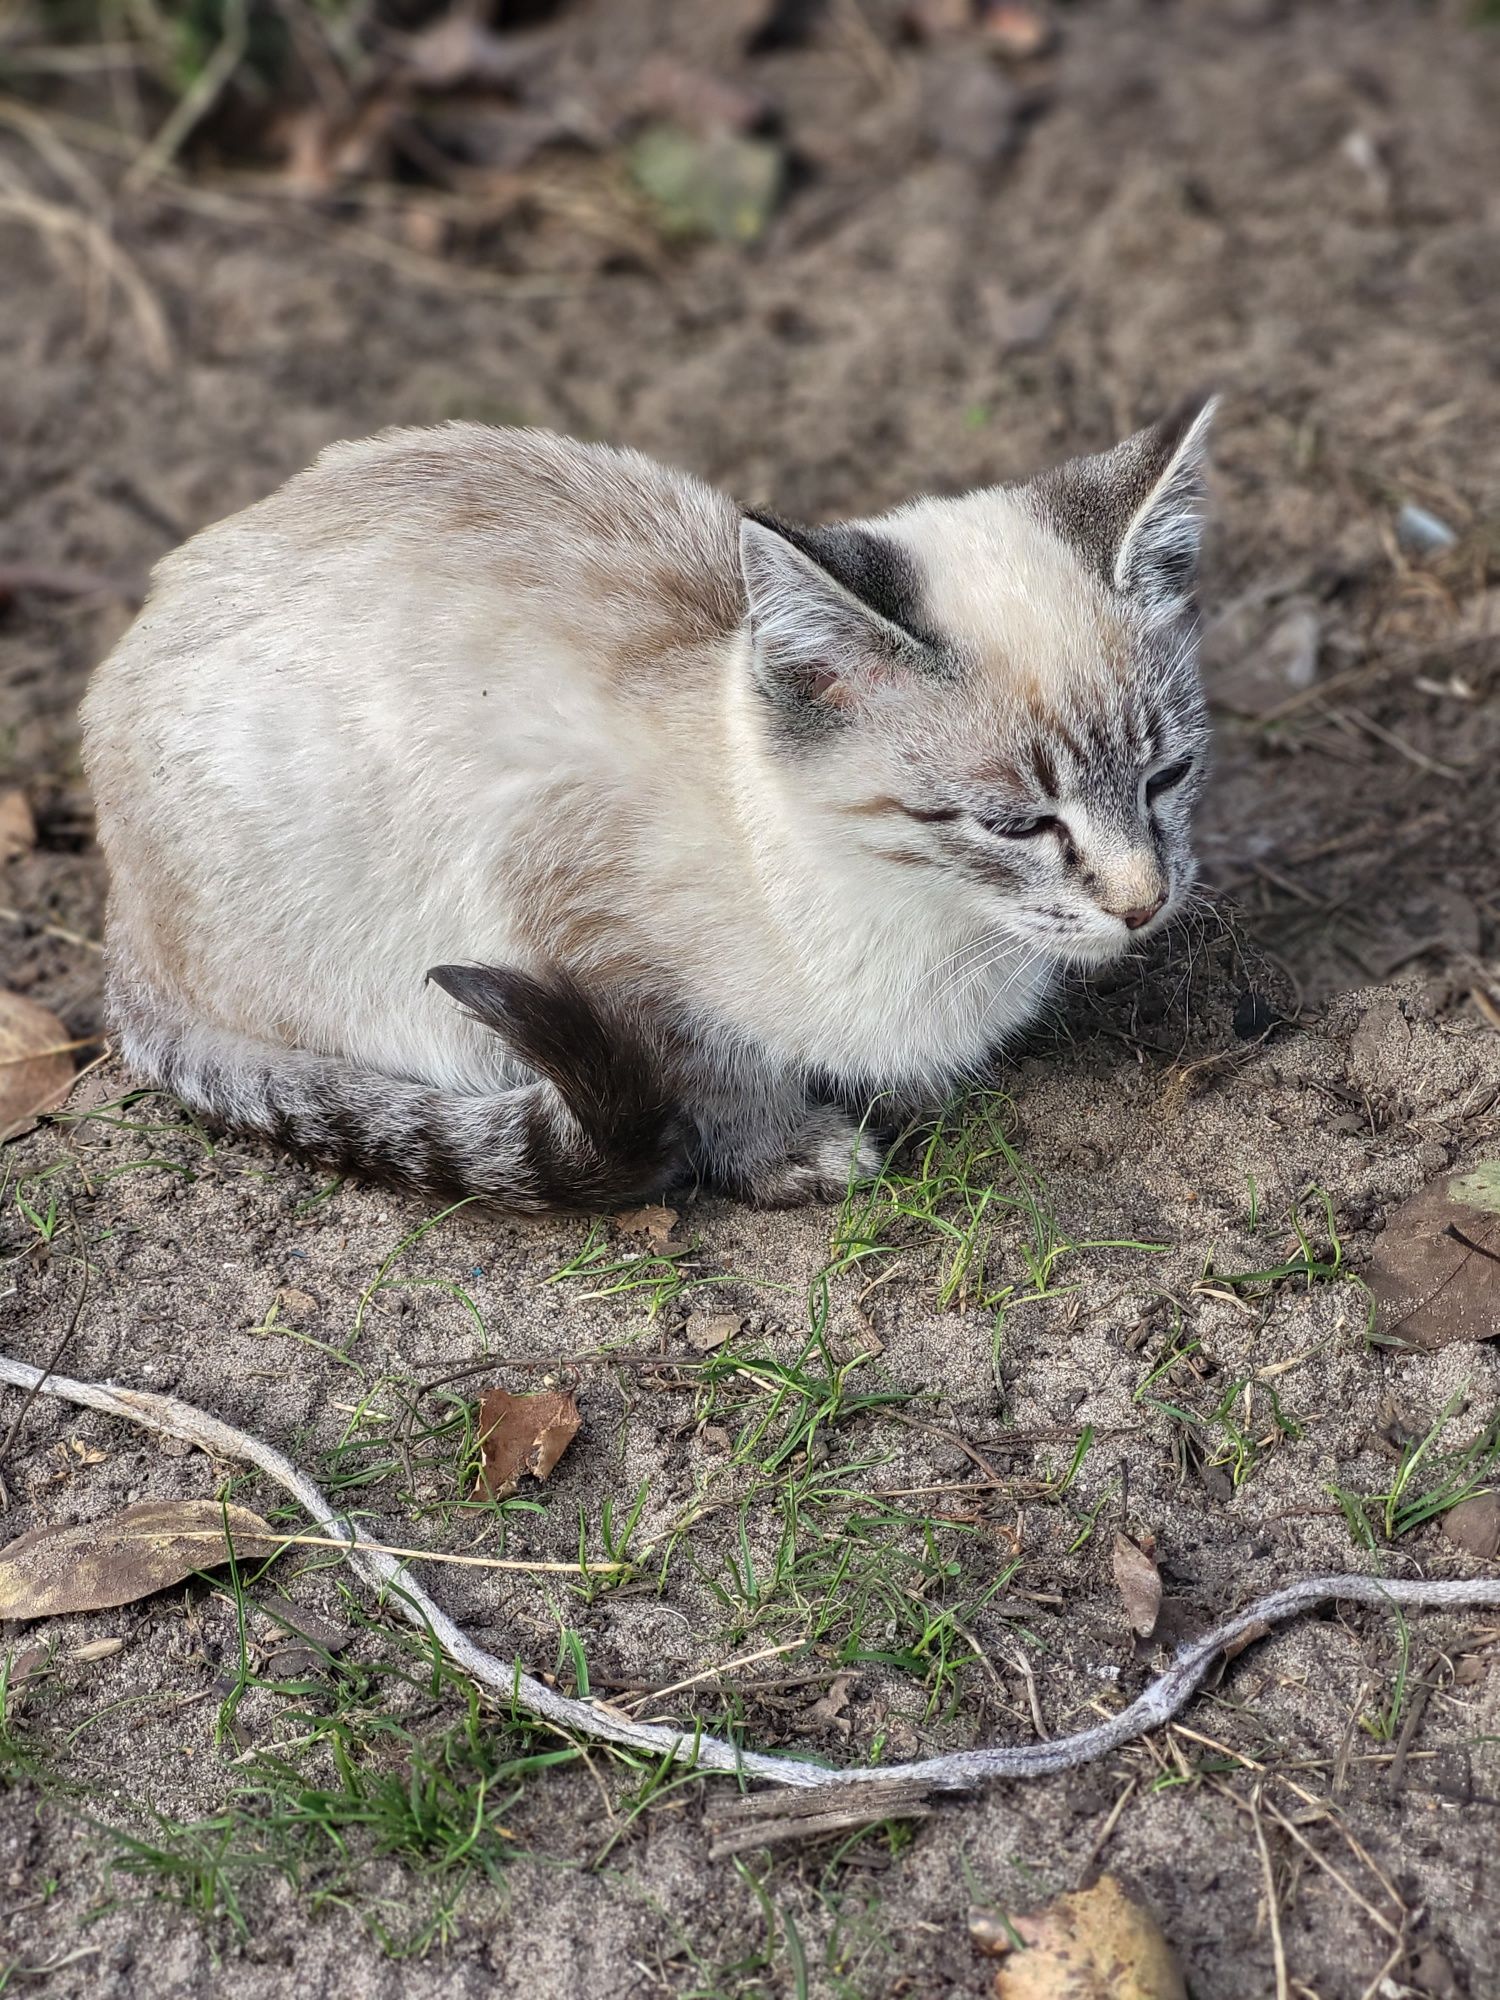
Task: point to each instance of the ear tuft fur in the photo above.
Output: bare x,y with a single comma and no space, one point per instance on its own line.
1157,561
1135,514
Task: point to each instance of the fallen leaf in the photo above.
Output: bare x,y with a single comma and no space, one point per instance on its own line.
1435,1275
1139,1583
724,185
656,1222
295,1621
36,1073
96,1565
827,1712
1480,1188
522,1434
20,1667
1015,32
1093,1945
703,1332
17,827
98,1649
1474,1525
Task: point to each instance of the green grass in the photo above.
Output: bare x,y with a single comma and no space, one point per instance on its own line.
1428,1479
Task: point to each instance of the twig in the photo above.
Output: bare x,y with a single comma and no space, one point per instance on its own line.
195,103
52,218
1278,1950
57,1049
958,1771
10,916
714,1673
470,1562
42,1376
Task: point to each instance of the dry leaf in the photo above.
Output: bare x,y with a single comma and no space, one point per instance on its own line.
34,1076
147,1547
703,1332
657,1223
17,827
522,1434
98,1649
1015,32
20,1667
1094,1945
1435,1274
1474,1524
1139,1583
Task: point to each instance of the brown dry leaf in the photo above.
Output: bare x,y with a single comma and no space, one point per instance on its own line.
522,1434
1435,1275
704,1332
1474,1525
1015,32
656,1222
1139,1583
98,1649
148,1547
1093,1945
35,1072
17,827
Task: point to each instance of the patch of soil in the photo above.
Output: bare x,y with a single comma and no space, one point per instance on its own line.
1292,204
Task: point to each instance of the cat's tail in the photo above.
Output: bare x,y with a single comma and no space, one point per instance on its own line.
598,1126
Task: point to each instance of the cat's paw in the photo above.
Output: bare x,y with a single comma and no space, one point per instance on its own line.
829,1154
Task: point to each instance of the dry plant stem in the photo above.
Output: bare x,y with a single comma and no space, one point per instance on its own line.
957,1772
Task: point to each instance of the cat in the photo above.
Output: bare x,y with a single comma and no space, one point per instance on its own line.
714,826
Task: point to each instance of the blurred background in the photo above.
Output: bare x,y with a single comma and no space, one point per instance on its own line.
827,253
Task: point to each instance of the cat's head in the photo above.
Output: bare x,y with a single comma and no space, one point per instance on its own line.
1000,691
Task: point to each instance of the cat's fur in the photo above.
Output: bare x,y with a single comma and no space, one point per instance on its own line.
712,825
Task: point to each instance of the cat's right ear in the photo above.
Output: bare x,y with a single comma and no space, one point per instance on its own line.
817,645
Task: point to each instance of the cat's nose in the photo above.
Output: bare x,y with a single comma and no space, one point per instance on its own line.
1141,914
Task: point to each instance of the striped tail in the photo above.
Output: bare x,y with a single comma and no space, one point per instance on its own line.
597,1128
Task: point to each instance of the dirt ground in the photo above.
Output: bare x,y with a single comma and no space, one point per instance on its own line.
917,1497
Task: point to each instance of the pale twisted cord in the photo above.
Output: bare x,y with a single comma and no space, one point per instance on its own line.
957,1771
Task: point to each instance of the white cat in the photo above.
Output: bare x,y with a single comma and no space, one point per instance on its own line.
715,826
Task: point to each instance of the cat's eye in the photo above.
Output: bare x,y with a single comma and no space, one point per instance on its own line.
1022,829
1168,778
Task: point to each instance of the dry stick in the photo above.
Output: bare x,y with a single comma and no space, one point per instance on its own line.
1272,1912
957,1772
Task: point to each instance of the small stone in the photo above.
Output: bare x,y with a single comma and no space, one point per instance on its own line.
1422,534
1474,1525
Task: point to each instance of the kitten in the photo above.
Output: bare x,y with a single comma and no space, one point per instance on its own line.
714,826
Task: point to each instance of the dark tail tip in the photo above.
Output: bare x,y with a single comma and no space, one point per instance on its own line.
612,1068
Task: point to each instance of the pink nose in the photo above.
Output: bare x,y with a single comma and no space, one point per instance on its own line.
1133,919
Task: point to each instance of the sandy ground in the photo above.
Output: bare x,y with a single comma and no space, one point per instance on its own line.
1294,204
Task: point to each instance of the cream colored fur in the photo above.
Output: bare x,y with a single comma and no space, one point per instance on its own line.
492,696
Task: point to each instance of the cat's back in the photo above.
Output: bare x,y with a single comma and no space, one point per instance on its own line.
411,549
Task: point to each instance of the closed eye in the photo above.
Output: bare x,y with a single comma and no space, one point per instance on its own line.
1168,778
1022,829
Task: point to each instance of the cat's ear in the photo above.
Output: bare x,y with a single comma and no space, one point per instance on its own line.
1157,560
818,639
1135,514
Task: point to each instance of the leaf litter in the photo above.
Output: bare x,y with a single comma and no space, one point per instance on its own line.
522,1435
98,1565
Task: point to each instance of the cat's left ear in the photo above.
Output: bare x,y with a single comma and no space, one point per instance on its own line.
1135,514
1157,560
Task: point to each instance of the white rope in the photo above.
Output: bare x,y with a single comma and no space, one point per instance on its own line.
958,1771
